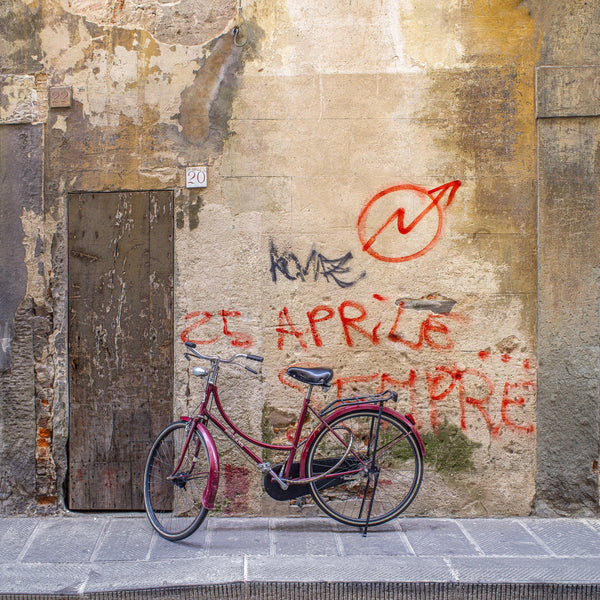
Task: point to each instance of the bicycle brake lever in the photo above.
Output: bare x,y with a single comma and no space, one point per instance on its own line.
251,370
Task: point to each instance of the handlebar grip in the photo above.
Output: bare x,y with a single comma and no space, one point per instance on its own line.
254,357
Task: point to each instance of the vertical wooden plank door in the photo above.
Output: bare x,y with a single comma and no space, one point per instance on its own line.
120,342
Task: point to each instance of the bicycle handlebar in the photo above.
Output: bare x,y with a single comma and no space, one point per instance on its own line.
254,357
218,359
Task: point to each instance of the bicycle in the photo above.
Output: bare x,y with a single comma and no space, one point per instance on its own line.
362,463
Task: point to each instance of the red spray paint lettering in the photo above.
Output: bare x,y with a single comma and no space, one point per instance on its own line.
202,317
434,330
473,390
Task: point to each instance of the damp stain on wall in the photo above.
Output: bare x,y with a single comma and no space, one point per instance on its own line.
206,103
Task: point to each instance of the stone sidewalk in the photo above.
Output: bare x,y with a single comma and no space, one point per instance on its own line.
119,556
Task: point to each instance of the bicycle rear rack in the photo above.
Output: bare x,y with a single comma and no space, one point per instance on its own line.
358,400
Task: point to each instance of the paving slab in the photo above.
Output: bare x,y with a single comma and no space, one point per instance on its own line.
124,539
567,537
57,540
485,569
348,569
438,537
387,540
238,537
502,537
302,537
192,547
14,534
49,578
115,576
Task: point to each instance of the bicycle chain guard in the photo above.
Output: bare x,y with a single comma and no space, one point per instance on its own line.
303,489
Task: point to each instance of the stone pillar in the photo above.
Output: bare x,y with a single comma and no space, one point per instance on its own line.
21,153
568,107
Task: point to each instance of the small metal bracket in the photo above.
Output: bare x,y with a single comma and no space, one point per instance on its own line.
236,29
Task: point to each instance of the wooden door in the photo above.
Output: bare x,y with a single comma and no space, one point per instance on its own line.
120,342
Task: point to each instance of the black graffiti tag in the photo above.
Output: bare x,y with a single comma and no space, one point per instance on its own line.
336,270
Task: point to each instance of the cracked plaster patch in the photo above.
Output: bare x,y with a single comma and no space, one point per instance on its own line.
111,82
189,22
18,99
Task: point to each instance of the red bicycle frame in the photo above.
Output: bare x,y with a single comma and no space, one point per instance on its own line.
234,434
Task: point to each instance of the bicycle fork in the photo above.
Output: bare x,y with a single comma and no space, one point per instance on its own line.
212,484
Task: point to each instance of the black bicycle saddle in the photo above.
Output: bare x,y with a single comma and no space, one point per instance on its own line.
313,376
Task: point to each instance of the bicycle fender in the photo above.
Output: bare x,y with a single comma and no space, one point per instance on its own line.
348,409
212,484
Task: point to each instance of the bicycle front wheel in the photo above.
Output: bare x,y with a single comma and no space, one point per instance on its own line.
174,481
368,474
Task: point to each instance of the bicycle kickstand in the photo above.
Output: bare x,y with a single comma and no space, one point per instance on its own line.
375,470
375,480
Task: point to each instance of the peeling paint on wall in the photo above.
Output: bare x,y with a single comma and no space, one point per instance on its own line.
183,23
20,173
20,47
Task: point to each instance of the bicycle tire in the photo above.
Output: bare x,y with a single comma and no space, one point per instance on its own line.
346,498
173,501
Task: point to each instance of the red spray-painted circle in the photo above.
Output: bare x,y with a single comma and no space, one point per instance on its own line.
429,199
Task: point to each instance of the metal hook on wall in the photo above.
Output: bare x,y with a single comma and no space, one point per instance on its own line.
236,29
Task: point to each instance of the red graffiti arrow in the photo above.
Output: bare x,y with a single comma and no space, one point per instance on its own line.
398,216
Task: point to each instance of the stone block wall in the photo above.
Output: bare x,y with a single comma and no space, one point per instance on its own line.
372,206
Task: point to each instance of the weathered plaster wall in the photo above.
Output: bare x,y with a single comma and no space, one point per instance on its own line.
338,104
331,118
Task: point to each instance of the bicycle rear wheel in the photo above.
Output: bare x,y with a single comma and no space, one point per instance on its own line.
393,469
172,491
